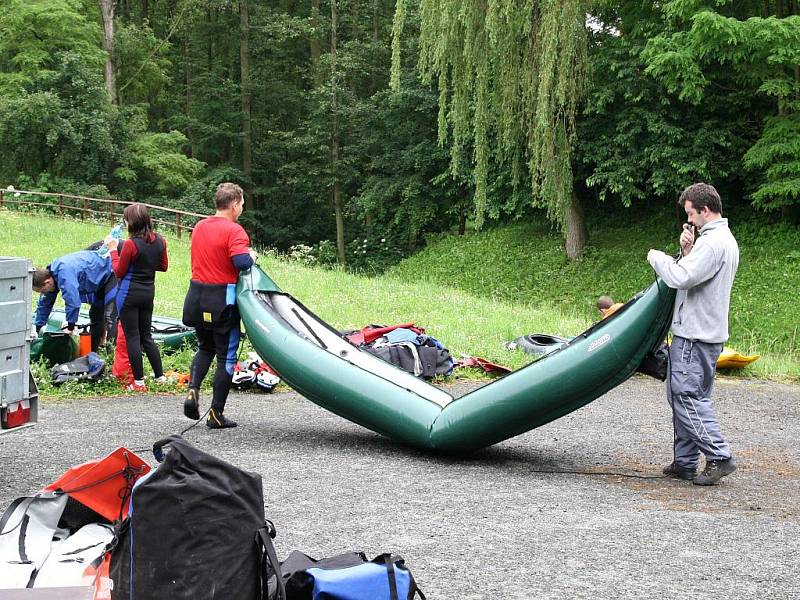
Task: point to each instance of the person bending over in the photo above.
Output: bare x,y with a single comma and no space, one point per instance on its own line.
82,277
220,248
135,265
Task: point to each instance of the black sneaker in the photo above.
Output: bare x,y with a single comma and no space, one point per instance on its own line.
191,406
714,471
675,470
216,420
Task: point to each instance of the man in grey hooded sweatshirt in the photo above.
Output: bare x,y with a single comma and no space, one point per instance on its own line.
703,276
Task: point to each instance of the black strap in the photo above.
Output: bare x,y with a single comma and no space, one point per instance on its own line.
9,511
415,588
158,447
309,329
390,562
267,552
169,329
392,578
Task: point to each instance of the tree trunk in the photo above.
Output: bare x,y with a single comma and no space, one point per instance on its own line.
464,212
373,79
413,239
244,61
188,81
576,229
107,15
337,191
314,45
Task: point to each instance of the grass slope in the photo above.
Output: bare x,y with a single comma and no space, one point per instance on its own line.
465,322
477,291
525,264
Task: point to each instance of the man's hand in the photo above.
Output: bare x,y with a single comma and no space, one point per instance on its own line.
253,255
111,242
687,239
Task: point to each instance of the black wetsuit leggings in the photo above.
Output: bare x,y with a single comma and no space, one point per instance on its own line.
103,314
224,344
136,317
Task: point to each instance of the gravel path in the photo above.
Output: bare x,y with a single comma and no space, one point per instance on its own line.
516,520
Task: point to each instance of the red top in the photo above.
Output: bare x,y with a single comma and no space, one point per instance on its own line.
122,260
215,241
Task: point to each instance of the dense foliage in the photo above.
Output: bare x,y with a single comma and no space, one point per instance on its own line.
359,128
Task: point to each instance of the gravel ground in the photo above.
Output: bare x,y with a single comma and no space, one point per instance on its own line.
574,509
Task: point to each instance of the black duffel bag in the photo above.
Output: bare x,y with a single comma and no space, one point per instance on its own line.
195,531
656,363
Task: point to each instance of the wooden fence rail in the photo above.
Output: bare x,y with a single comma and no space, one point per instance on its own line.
63,203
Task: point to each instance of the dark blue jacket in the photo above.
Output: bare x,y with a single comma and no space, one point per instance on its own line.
80,277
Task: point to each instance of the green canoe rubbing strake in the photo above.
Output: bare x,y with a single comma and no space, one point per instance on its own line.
314,359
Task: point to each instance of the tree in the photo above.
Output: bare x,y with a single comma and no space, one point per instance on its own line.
244,79
758,43
510,76
33,36
638,141
337,187
107,8
61,125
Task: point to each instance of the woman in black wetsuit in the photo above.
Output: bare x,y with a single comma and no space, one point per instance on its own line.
135,265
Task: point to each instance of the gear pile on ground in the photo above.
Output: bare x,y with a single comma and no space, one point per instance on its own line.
254,373
405,346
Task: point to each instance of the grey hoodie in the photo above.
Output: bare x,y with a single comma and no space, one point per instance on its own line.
703,278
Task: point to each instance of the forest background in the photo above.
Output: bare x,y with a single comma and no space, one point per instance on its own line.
362,130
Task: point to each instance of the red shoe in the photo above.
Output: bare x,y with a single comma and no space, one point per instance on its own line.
135,387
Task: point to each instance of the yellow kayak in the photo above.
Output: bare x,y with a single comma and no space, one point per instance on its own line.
731,359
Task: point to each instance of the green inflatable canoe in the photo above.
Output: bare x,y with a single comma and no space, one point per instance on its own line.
314,359
170,334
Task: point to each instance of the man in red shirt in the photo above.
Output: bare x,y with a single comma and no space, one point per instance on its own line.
220,249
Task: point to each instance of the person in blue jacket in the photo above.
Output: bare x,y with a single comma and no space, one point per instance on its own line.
82,277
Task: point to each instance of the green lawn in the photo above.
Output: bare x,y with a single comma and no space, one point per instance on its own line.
524,264
472,293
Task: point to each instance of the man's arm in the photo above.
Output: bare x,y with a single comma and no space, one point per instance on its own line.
242,262
240,252
695,268
68,284
43,309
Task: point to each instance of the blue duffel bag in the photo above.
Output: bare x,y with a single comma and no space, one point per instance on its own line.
348,576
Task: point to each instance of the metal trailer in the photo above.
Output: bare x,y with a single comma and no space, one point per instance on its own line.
19,396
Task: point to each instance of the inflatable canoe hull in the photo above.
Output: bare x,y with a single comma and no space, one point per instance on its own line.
315,360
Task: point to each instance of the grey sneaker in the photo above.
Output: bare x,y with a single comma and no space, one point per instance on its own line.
714,471
673,469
